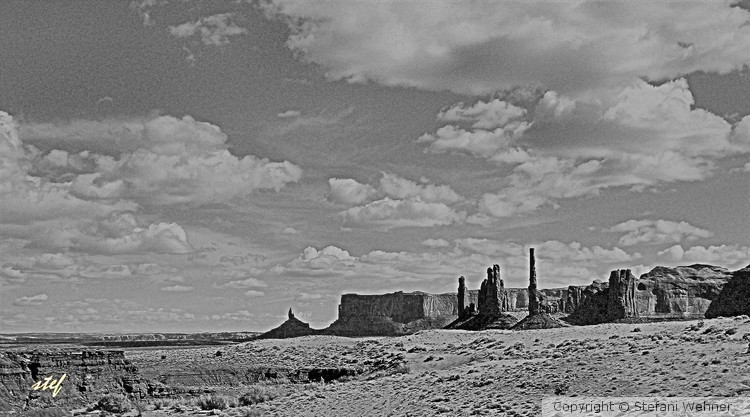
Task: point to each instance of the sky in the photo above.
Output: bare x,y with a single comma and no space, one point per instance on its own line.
185,166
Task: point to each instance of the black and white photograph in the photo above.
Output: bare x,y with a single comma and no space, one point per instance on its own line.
362,208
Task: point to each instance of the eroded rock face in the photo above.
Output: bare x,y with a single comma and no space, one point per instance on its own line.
622,297
393,314
88,376
662,293
682,291
734,298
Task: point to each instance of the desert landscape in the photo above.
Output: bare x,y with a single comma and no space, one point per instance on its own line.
490,359
373,207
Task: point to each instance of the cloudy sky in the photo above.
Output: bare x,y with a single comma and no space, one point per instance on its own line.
192,166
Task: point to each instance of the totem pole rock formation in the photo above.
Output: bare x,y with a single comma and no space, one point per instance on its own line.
539,309
464,299
533,293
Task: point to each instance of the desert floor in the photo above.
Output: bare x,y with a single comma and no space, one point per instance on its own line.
482,373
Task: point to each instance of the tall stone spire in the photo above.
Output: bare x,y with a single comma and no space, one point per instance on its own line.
462,297
290,314
533,297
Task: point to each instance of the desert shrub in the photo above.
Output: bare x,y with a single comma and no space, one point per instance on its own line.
47,412
257,394
251,412
163,404
114,404
402,368
214,402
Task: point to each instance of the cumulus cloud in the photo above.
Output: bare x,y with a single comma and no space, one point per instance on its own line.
160,161
483,115
213,30
119,233
657,232
397,202
564,46
33,300
436,243
349,191
401,188
637,136
403,213
729,255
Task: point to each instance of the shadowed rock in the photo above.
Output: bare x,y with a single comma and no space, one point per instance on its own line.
292,327
539,307
734,298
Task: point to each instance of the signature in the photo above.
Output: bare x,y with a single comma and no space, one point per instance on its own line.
49,383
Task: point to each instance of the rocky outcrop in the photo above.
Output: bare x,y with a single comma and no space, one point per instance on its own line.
393,314
734,298
539,306
88,376
292,327
662,293
621,298
685,291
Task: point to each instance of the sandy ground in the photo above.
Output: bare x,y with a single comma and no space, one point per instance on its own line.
460,373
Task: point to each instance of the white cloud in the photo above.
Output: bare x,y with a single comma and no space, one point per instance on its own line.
177,288
729,255
119,233
241,284
564,46
213,30
401,188
639,136
657,232
435,243
491,144
161,161
483,115
391,213
397,202
33,300
254,293
349,191
289,113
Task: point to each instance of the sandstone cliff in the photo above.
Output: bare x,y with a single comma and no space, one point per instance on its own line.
393,314
89,375
734,298
662,293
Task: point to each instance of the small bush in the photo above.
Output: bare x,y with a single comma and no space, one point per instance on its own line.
163,404
251,412
257,395
114,404
214,402
47,412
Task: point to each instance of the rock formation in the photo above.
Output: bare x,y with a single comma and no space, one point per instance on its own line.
89,375
622,303
292,327
734,298
539,309
393,314
533,293
463,298
663,293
